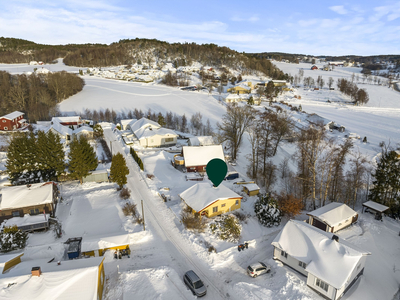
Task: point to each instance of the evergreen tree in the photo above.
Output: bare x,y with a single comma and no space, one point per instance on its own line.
161,120
55,158
82,158
267,211
12,238
386,183
119,170
98,132
250,101
16,161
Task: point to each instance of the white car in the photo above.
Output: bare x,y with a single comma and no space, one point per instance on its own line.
258,269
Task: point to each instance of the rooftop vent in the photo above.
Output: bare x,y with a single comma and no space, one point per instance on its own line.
336,238
36,271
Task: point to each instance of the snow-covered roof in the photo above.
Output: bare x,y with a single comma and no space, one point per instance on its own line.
7,257
201,155
327,259
201,140
101,242
143,122
22,121
146,132
375,206
63,130
127,122
83,128
251,187
201,195
73,279
22,195
333,213
72,119
26,220
12,115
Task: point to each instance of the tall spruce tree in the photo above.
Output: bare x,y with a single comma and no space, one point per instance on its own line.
82,158
119,170
386,183
50,155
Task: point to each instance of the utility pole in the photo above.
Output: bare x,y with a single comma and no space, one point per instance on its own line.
144,227
111,147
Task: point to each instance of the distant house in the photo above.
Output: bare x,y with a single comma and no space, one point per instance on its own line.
12,121
234,98
64,132
210,201
314,67
240,89
251,189
32,199
83,130
39,279
332,217
196,158
151,134
73,122
279,83
331,266
201,141
126,124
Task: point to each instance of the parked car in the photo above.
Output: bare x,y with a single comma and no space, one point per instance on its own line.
258,269
194,283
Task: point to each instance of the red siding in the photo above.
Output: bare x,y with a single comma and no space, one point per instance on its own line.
196,169
10,123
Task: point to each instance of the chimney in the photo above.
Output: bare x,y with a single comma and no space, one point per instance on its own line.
36,271
336,238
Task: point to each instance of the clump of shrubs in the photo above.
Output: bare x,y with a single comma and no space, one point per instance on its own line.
12,238
125,193
192,221
130,209
226,228
210,247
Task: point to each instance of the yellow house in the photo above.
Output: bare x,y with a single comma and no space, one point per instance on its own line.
39,279
210,201
97,246
251,189
240,89
8,261
279,82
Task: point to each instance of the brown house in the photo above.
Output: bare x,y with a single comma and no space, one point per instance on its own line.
12,121
32,199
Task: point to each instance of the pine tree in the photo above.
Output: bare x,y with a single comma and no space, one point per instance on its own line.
12,238
267,211
386,183
161,120
98,131
56,158
119,170
82,158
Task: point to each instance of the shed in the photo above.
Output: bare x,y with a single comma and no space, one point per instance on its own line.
97,176
251,189
74,247
98,245
332,217
375,208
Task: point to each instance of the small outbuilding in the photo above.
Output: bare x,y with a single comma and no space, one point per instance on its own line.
376,208
98,245
251,189
332,217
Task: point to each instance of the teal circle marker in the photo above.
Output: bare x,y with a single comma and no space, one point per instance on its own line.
216,171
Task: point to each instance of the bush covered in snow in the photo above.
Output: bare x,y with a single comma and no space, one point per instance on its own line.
267,211
192,221
226,228
12,238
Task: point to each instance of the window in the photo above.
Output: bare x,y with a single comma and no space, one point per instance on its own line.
167,140
5,128
223,205
37,211
323,285
32,212
215,209
15,213
237,202
303,265
4,121
283,253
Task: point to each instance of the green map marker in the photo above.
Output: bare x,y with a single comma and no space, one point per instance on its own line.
216,171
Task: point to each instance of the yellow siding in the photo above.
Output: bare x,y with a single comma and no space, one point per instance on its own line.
12,262
90,253
239,89
100,285
230,205
250,193
102,251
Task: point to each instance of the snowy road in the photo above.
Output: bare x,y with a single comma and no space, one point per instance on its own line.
182,256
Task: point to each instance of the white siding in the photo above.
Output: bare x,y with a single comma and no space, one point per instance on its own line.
311,280
343,224
290,261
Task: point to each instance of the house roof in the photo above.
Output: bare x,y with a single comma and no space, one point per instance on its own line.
63,130
327,259
73,279
146,132
26,220
375,206
201,155
201,141
22,195
101,242
12,115
127,122
72,119
83,128
251,187
333,213
6,258
201,195
143,122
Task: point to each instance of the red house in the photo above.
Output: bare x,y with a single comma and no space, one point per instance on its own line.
314,68
12,121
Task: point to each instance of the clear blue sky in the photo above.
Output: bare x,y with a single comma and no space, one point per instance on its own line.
308,27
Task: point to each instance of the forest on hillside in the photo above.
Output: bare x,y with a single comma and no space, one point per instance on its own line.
37,94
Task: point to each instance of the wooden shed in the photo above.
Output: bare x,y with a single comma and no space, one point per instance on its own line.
251,189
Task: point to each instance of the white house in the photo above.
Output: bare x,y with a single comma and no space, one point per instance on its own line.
332,217
331,265
234,98
150,134
197,157
201,141
74,121
64,132
126,124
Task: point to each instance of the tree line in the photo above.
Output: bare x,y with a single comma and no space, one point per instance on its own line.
36,94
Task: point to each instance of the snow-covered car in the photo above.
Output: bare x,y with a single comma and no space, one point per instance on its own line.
258,269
